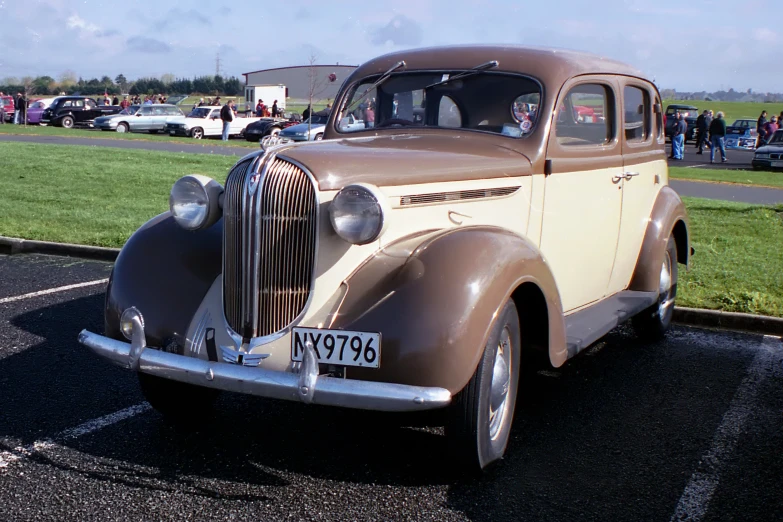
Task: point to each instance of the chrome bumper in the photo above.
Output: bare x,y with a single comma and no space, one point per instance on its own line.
306,386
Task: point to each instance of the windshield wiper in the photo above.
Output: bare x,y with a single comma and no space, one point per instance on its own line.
379,81
477,69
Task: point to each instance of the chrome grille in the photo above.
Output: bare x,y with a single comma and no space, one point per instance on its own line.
268,246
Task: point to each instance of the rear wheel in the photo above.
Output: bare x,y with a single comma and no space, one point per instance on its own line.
653,323
178,402
479,420
319,136
67,122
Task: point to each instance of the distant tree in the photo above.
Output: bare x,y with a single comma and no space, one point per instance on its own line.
11,80
121,82
167,78
315,87
67,79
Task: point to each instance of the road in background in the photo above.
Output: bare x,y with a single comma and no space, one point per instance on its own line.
627,430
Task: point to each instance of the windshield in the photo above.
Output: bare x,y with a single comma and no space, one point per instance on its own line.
316,119
487,101
200,112
129,111
776,138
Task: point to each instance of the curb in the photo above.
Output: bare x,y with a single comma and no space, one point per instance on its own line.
759,324
12,245
685,316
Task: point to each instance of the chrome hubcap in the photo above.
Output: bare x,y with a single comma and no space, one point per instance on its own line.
501,379
665,287
121,128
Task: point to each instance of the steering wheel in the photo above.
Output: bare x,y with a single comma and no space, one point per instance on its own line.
395,121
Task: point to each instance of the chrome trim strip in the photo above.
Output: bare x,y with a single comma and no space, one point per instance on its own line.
326,391
199,334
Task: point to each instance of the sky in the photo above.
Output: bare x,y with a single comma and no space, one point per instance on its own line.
690,45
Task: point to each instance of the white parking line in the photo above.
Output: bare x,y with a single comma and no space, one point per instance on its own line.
53,290
696,498
695,166
9,457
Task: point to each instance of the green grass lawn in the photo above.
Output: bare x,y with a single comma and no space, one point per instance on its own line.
738,266
743,177
36,130
732,110
101,196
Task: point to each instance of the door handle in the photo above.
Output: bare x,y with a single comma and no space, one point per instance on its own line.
629,175
617,178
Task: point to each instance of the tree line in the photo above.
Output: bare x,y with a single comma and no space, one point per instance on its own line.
167,84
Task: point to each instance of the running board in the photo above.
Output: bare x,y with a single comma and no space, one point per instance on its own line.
585,327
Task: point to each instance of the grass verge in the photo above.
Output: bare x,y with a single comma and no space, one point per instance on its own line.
66,194
36,130
737,266
72,195
759,178
732,110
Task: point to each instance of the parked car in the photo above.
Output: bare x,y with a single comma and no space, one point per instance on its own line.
267,127
141,118
36,109
8,105
205,122
75,111
412,266
770,156
690,114
317,124
742,135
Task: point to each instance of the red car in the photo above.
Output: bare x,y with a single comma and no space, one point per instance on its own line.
8,106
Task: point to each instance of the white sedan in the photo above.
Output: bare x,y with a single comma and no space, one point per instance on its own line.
205,122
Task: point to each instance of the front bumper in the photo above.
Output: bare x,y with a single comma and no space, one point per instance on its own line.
306,386
293,137
177,131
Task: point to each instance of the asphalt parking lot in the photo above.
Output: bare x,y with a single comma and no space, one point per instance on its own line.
626,431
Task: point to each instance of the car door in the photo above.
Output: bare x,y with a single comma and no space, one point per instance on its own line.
142,120
583,190
644,170
213,125
91,110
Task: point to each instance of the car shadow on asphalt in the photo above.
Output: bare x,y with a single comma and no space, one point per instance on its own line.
623,421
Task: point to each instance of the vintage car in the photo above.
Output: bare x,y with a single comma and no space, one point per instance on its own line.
204,122
690,114
267,127
36,109
741,135
412,266
770,156
141,118
75,111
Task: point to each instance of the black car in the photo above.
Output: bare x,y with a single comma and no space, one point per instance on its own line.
770,156
266,127
689,111
71,111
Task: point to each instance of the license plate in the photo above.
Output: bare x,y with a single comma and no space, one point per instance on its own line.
172,132
338,347
776,163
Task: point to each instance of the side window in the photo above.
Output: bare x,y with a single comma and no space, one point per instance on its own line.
585,116
636,109
658,118
146,111
448,113
66,103
90,104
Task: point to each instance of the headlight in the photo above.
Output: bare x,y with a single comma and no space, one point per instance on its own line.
762,156
358,213
195,201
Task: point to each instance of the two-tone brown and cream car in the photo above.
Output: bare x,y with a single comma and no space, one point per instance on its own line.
498,201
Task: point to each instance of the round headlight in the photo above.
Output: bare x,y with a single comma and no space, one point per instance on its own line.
357,213
126,321
195,201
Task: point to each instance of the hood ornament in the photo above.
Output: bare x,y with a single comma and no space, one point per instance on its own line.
271,142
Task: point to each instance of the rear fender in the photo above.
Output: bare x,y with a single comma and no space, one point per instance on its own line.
165,272
434,297
668,217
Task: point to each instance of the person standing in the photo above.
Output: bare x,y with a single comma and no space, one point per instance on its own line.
760,128
227,115
678,137
274,109
702,127
18,108
718,137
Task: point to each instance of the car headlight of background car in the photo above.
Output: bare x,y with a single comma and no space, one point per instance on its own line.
761,156
358,213
195,201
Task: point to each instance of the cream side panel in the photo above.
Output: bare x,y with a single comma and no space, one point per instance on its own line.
639,195
536,215
579,233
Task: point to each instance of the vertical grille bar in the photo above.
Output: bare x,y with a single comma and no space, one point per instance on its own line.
269,247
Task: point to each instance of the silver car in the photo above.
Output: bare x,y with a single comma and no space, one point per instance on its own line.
141,118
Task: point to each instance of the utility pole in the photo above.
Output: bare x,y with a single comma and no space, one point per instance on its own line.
217,64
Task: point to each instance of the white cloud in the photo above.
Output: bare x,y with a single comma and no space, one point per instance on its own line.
765,35
85,28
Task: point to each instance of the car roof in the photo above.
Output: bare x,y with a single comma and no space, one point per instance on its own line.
550,65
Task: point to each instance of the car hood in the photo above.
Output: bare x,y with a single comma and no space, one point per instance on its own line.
766,149
406,159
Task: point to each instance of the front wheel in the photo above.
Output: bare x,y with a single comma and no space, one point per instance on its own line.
180,403
67,122
197,133
479,420
653,322
122,127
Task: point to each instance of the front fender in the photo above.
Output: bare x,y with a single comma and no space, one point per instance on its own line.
165,272
434,301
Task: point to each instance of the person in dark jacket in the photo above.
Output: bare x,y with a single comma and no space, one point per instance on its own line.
718,137
760,128
227,115
702,129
